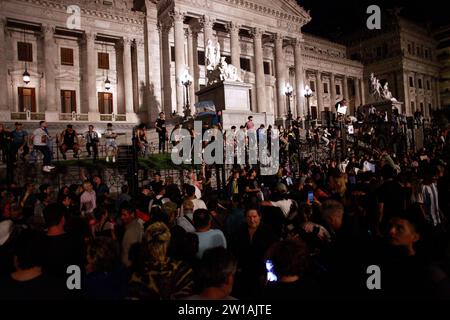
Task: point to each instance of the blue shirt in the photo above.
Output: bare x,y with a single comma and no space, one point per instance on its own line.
210,239
19,136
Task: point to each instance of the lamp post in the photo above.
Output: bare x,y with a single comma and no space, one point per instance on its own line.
186,81
288,92
308,94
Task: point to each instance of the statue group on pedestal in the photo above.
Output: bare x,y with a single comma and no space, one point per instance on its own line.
217,69
380,92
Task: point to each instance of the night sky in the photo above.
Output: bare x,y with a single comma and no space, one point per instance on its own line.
332,19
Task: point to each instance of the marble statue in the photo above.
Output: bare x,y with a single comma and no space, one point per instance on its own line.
217,67
378,91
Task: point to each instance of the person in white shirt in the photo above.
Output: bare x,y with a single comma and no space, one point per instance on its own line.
285,204
186,221
111,144
40,141
192,195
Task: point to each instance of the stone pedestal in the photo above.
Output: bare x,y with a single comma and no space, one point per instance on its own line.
385,105
227,95
233,99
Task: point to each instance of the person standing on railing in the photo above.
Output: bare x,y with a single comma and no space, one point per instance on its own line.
92,140
160,125
40,141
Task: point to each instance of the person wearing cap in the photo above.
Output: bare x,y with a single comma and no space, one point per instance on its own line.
19,142
69,141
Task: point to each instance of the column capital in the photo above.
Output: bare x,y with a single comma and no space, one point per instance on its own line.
256,32
177,15
278,38
89,36
126,41
48,30
232,27
140,42
298,42
206,21
165,26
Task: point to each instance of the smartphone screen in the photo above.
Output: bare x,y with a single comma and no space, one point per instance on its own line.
270,275
311,196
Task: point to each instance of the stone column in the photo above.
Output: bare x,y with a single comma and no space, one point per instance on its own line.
438,95
357,93
259,70
180,64
127,76
281,75
191,51
332,93
299,81
363,91
3,73
319,93
416,85
196,70
407,103
50,56
166,61
90,74
141,76
233,29
208,33
345,88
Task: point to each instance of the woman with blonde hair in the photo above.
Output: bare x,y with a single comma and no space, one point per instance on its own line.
157,276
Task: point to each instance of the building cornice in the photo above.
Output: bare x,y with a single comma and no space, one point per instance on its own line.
302,18
87,8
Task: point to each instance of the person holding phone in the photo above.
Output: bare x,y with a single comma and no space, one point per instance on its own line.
288,261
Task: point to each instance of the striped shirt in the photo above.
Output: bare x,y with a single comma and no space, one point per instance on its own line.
431,202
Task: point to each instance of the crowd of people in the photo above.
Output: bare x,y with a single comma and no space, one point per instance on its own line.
307,232
18,145
293,235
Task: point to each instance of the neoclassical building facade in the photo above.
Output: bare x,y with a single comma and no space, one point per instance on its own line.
403,54
107,60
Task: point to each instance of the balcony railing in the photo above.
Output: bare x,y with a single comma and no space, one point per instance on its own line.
73,116
113,117
27,115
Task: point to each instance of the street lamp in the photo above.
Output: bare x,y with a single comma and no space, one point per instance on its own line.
308,94
186,81
288,92
26,76
107,83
